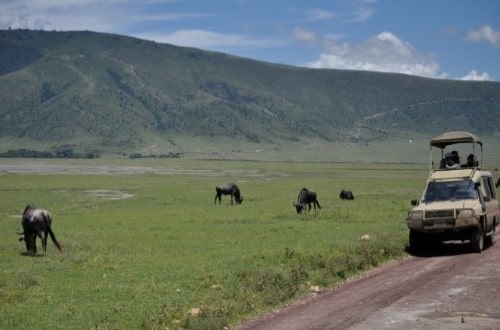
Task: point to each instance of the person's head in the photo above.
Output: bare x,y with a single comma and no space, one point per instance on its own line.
471,160
450,158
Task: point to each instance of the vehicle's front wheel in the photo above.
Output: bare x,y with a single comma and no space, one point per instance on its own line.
416,241
477,239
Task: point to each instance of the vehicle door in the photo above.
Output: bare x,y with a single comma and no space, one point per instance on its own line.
490,198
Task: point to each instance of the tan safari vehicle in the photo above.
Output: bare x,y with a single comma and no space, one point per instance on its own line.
459,202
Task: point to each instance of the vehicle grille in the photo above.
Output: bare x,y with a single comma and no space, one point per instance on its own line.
439,219
439,214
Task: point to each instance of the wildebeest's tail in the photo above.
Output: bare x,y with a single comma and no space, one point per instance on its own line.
53,237
48,223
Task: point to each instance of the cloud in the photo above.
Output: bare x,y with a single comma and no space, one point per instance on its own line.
320,14
485,33
361,14
60,15
210,40
302,34
361,11
474,75
384,52
117,16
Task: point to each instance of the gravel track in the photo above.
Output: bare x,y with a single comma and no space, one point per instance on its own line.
452,290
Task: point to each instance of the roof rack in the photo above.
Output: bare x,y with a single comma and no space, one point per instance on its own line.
454,137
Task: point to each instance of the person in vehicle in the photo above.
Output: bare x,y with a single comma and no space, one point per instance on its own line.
471,161
452,161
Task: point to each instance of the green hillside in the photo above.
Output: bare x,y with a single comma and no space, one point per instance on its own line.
95,91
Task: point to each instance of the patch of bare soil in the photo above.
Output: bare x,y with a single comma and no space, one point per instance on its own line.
47,168
109,194
450,290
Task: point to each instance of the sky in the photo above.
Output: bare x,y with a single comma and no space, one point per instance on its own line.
443,39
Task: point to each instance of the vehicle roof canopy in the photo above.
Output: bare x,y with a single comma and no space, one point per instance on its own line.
449,138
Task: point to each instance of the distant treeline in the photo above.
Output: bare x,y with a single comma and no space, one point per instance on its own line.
169,155
63,153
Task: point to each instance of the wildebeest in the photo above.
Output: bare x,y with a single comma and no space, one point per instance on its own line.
35,221
306,197
346,194
228,189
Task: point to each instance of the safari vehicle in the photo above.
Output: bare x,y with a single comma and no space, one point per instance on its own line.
457,204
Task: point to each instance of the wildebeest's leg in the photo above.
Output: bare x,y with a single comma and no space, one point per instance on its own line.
317,203
30,240
217,195
44,240
231,199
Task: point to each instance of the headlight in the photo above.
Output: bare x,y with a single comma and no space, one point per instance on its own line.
465,213
415,215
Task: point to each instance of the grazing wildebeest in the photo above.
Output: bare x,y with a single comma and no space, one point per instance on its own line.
306,197
346,194
35,221
228,189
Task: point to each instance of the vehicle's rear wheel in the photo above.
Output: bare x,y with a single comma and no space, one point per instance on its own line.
477,239
490,239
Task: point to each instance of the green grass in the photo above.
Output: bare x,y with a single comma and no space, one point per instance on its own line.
147,260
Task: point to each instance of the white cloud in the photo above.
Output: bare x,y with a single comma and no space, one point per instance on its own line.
60,15
103,16
474,75
304,35
198,38
485,33
384,52
361,11
320,14
362,14
210,40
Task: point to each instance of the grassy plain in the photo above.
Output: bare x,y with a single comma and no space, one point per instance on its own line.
144,243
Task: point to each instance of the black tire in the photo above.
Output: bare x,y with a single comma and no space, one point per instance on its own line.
477,239
434,243
490,239
416,241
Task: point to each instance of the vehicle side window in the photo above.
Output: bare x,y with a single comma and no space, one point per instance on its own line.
491,186
485,189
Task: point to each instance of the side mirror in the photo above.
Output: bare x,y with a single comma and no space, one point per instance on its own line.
414,202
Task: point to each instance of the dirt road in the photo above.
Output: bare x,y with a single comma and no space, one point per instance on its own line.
453,290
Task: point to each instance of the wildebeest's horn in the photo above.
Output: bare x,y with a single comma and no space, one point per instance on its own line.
19,233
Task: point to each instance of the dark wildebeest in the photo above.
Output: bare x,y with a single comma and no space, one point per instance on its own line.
306,197
346,194
35,221
228,189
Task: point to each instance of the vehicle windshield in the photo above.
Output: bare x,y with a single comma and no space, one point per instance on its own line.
450,190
